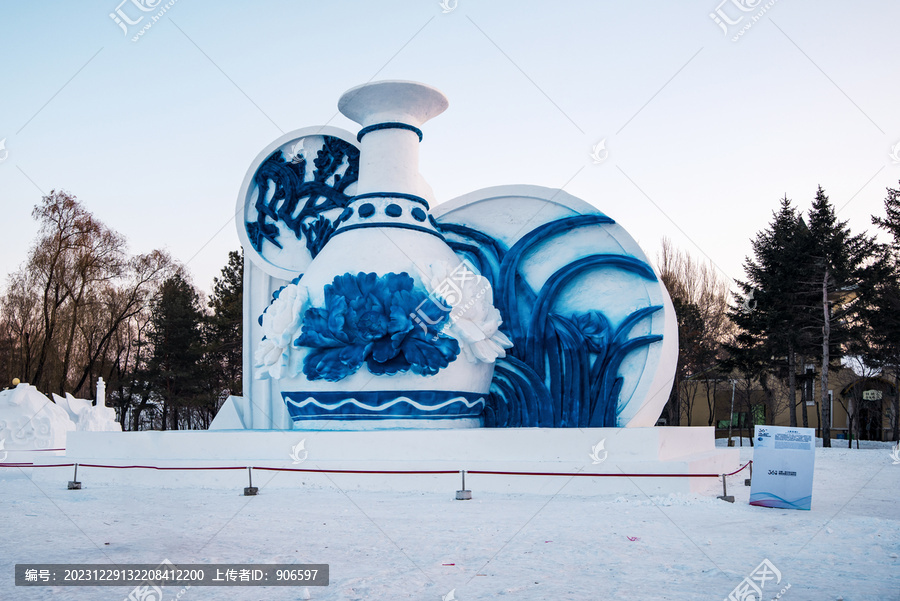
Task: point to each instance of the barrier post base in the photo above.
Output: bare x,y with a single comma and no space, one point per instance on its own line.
725,496
463,494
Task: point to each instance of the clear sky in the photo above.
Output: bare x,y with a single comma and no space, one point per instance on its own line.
704,134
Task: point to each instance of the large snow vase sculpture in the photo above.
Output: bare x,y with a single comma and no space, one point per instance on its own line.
387,322
509,306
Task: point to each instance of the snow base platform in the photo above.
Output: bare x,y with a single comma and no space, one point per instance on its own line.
544,461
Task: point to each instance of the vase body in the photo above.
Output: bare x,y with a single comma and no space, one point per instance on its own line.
386,236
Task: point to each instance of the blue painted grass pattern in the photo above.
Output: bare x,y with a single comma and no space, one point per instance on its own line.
563,370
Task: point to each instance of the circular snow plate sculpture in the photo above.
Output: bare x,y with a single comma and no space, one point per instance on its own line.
594,331
294,197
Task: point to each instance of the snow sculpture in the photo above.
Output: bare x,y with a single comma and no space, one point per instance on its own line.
29,420
73,407
88,417
510,306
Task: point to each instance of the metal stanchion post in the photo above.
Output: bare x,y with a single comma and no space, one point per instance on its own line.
250,491
725,496
74,484
463,495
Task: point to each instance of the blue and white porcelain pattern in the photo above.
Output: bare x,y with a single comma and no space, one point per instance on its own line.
373,328
594,331
294,196
512,306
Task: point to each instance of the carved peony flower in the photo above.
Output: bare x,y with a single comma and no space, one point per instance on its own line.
474,320
385,322
280,325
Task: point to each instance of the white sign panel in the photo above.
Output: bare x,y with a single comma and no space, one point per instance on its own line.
783,463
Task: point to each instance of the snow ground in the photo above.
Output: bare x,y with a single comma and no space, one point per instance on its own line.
401,546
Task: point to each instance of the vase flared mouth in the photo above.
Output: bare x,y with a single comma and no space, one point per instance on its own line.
407,102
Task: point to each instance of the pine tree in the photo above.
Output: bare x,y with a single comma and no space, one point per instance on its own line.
224,327
878,344
837,262
771,308
174,369
891,221
881,312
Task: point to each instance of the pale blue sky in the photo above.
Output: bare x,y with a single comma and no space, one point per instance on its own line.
704,134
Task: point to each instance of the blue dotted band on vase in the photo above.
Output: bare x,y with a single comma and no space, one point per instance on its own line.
388,125
402,195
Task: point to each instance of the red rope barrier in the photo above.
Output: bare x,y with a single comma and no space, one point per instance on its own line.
153,467
592,475
739,469
33,465
297,469
595,475
411,472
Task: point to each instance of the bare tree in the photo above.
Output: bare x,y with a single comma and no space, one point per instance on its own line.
68,307
700,296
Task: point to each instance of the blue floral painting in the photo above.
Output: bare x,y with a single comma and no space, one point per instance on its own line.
563,369
384,321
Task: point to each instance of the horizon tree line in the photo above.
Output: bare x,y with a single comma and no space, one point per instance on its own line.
80,308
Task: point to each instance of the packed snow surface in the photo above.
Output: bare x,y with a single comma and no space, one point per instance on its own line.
430,546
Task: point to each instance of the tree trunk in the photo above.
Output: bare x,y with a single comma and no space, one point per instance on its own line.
792,385
849,432
851,409
123,414
896,403
710,401
70,342
690,397
803,392
826,340
674,404
50,317
818,420
27,371
136,413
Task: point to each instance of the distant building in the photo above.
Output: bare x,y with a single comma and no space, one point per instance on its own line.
861,407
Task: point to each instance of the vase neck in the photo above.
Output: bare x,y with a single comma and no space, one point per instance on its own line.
391,113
